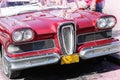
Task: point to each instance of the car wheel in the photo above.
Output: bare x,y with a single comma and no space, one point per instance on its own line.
6,68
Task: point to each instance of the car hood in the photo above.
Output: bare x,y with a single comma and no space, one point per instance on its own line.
46,22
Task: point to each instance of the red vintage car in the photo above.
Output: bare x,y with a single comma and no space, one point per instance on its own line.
38,34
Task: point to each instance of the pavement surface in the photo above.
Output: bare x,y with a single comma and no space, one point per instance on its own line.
108,69
113,7
86,70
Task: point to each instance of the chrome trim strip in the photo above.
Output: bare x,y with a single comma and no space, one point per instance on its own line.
23,63
88,53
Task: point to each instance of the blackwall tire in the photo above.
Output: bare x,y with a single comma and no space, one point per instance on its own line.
12,74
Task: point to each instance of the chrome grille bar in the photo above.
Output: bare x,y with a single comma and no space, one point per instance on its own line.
67,38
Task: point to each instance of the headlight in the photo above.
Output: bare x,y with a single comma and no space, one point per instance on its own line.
22,35
17,36
106,22
111,21
13,49
101,23
28,34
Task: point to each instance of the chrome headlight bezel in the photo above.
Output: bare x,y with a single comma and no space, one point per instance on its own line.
106,22
24,35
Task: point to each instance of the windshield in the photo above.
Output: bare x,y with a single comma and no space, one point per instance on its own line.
54,3
14,7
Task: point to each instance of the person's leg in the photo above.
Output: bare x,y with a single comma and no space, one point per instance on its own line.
10,4
98,8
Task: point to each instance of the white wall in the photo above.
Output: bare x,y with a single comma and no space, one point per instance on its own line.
113,7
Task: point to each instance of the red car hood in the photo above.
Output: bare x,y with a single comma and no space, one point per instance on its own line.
47,21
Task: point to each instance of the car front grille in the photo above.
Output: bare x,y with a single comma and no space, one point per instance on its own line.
67,38
93,36
32,46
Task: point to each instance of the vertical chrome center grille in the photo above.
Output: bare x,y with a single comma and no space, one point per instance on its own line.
67,38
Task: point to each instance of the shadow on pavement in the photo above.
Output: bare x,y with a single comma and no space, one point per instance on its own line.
65,72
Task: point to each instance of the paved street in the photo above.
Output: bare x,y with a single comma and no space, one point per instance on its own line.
105,70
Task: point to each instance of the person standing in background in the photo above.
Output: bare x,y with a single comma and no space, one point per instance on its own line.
43,2
96,5
0,3
0,6
3,3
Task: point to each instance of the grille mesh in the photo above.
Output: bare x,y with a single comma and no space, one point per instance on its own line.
67,34
37,45
67,38
94,36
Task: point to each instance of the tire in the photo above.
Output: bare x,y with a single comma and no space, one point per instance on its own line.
7,68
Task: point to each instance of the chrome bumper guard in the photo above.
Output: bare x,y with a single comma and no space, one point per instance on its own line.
111,48
23,63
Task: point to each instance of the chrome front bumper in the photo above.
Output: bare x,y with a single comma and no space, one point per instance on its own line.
23,63
92,52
